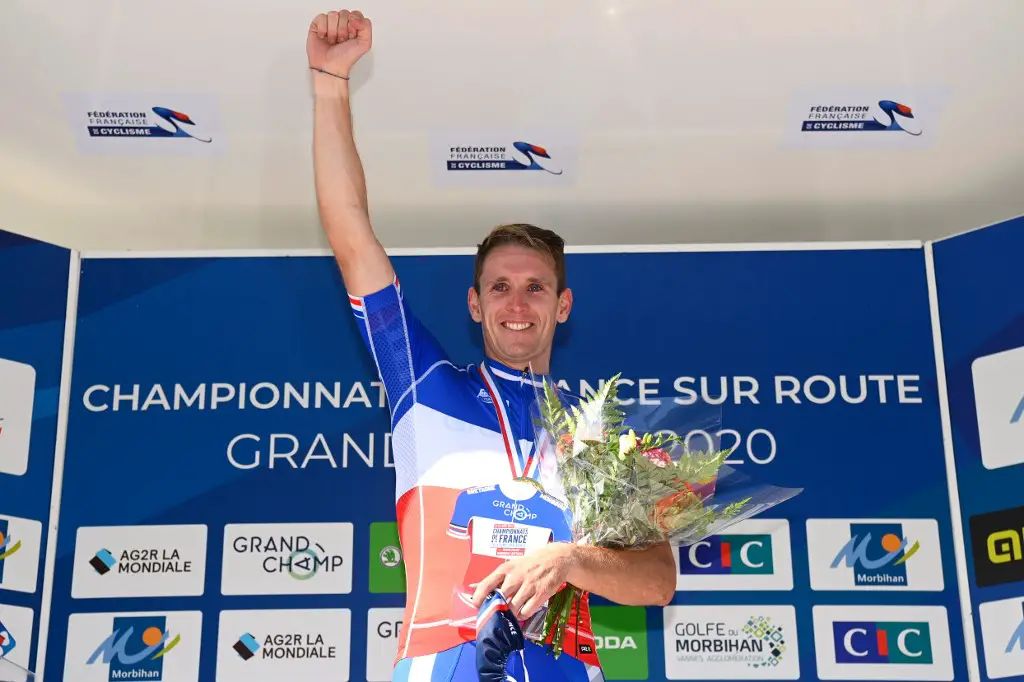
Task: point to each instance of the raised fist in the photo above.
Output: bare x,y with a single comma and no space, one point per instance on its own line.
337,40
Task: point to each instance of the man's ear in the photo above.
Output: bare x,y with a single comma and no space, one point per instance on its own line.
473,299
564,305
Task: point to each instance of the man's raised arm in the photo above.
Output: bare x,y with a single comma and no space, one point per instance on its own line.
336,41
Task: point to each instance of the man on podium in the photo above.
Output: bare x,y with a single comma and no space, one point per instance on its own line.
462,434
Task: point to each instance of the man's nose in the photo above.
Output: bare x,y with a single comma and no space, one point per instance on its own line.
518,300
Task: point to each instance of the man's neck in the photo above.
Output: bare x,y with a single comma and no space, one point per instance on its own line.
538,366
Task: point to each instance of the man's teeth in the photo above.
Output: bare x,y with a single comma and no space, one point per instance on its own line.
518,326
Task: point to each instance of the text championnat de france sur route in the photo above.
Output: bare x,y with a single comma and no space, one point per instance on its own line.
300,451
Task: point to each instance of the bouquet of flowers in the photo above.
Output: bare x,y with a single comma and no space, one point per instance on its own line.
631,481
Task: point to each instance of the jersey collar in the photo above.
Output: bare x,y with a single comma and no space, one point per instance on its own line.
506,373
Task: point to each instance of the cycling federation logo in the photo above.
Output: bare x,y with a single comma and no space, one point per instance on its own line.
999,402
997,546
17,397
884,554
518,156
153,122
883,116
882,642
755,556
1002,634
731,642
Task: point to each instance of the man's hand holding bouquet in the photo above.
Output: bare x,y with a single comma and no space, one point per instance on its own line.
631,481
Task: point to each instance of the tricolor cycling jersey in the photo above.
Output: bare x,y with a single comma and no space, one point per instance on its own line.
500,522
453,428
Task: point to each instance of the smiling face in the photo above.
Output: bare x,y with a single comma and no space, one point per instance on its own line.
519,306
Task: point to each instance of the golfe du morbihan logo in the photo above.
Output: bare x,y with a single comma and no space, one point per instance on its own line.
139,561
287,558
999,404
731,642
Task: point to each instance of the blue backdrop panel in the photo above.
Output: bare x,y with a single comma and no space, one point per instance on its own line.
981,309
33,307
170,459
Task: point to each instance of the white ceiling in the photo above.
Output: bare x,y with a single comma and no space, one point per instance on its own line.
674,120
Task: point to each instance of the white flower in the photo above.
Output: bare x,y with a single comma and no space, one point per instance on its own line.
627,442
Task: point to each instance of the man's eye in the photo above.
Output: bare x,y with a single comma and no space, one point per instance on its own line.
535,287
500,287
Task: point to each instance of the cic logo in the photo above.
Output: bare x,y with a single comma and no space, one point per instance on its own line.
881,642
997,544
728,555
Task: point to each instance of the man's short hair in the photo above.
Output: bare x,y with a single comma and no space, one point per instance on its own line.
523,234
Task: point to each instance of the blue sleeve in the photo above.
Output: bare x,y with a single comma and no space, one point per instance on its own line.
458,527
402,348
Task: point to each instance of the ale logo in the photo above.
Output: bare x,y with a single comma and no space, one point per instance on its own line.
621,635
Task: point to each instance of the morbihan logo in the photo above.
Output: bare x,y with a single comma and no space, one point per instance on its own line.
874,554
111,647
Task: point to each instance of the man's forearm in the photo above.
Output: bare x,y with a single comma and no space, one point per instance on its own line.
630,577
341,190
340,181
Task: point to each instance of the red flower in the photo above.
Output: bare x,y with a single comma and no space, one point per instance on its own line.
658,457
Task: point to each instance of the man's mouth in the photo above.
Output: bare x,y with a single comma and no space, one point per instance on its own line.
517,326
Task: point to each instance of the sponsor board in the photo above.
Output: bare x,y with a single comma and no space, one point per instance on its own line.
17,397
286,644
718,642
855,642
139,561
287,558
755,554
875,554
999,404
111,647
20,543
